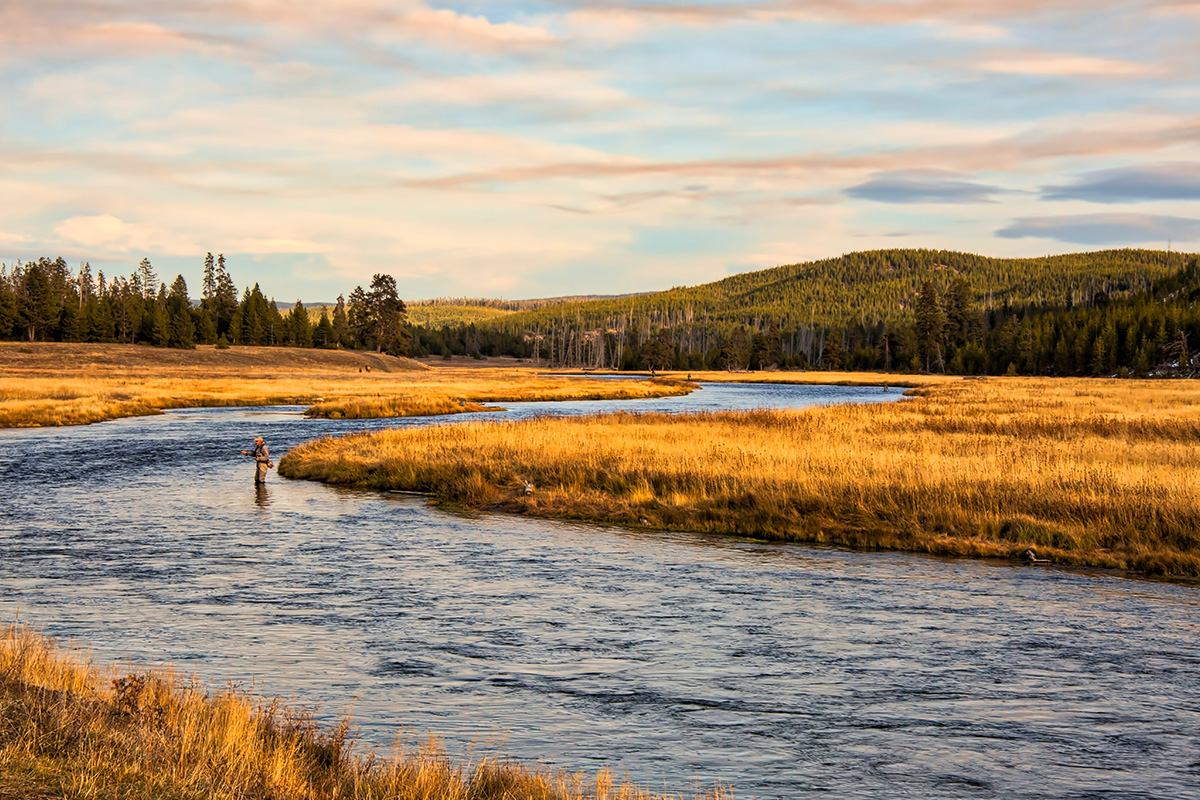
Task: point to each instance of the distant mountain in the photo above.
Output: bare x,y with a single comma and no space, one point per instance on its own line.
871,287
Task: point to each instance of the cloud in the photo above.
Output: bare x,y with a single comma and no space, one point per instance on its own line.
102,230
629,17
110,234
456,28
1179,181
922,186
259,246
126,29
1062,140
1068,65
1105,229
547,93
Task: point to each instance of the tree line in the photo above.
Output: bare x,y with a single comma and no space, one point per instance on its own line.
45,300
1132,312
1098,328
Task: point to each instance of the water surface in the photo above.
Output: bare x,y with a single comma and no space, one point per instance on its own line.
788,671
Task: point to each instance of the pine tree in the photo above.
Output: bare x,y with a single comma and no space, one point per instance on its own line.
386,318
324,336
87,286
299,331
931,325
36,306
148,279
208,289
181,330
225,301
341,324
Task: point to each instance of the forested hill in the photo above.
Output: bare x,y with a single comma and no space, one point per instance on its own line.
872,287
863,305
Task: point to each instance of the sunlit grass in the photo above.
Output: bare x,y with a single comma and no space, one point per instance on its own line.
69,728
67,385
1088,472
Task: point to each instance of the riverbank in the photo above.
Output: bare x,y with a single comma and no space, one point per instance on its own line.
69,728
785,377
75,384
1088,472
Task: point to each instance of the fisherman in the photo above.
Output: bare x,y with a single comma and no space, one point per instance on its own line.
262,459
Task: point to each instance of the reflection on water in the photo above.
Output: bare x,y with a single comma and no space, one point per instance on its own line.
262,496
787,671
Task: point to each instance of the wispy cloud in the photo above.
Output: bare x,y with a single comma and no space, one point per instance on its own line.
853,12
1105,229
1001,153
1178,181
1064,65
582,145
923,186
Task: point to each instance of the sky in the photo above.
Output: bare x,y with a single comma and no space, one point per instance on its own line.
553,147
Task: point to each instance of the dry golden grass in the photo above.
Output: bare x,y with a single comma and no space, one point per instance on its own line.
1090,472
459,390
797,377
71,729
77,384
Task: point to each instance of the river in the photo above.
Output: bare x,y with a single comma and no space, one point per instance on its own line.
784,670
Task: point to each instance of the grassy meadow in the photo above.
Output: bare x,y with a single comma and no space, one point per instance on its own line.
1089,472
437,315
794,377
69,728
74,384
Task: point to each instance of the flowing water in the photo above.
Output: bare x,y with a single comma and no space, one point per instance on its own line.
786,671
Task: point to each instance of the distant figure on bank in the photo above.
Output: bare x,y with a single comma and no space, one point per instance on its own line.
262,459
1030,557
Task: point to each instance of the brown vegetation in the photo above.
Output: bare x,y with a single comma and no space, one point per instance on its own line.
1089,472
798,377
72,384
71,729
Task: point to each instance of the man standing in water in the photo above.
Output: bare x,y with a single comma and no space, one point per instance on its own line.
262,460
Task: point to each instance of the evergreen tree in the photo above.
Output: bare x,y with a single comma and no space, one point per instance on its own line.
831,359
324,336
160,325
181,329
8,311
225,301
70,323
87,286
359,319
388,317
148,279
341,324
37,309
299,331
208,289
931,326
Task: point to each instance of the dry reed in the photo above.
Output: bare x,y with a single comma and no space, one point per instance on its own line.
1089,472
80,384
71,729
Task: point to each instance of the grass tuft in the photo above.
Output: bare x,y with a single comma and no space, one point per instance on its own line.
71,729
77,384
1088,472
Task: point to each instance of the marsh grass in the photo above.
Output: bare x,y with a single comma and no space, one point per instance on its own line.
1089,472
72,384
470,391
69,728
